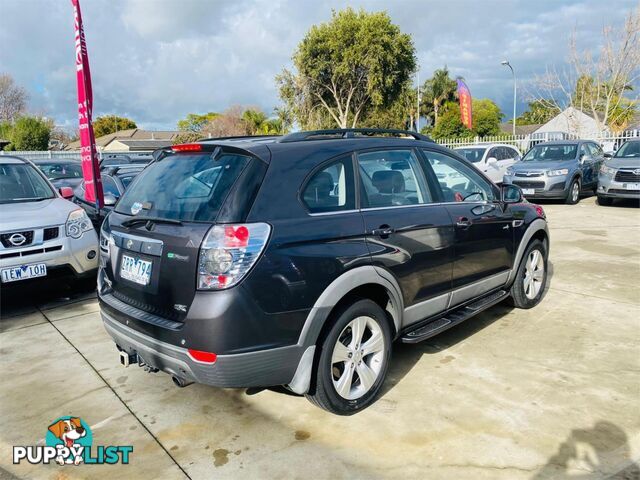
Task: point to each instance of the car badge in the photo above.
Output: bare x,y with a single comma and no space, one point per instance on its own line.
636,171
17,239
129,244
180,308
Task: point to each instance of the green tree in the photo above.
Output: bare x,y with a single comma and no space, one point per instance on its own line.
30,133
344,68
401,114
539,111
436,92
255,121
449,123
195,122
111,123
486,117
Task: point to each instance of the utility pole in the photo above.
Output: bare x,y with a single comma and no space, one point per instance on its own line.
507,64
418,111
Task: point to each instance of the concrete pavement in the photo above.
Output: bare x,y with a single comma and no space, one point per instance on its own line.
550,392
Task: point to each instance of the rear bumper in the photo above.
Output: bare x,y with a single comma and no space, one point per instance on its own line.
264,368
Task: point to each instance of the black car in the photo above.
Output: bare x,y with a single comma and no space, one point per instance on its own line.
61,173
298,261
115,180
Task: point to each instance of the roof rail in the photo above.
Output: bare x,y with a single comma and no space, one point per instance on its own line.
238,138
349,133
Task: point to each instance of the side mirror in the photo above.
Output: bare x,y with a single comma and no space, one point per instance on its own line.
510,193
492,160
66,192
109,200
608,155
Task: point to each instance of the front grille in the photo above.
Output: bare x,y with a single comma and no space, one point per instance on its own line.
529,174
627,176
50,233
623,191
523,184
153,309
27,234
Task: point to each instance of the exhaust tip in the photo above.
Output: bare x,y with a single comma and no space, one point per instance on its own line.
180,382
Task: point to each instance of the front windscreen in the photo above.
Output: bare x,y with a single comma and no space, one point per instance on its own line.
541,153
56,171
20,182
629,150
186,187
472,154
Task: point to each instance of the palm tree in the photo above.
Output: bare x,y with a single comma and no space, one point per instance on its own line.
436,91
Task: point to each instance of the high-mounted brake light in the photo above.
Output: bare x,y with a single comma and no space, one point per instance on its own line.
204,357
228,252
187,147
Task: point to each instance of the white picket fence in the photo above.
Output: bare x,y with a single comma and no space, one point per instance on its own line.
69,154
609,141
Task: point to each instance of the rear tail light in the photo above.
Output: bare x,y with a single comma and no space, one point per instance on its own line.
540,211
228,252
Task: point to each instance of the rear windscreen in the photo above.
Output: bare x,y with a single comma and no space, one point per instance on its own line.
186,187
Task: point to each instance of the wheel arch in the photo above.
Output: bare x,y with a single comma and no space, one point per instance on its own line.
537,230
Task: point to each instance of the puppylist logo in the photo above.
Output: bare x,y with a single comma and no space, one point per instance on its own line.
69,441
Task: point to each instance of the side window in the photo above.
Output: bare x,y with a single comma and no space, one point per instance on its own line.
109,186
331,189
494,152
458,182
513,154
391,178
584,151
594,150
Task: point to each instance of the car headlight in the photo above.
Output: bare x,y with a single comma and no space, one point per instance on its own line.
509,171
608,170
557,173
77,223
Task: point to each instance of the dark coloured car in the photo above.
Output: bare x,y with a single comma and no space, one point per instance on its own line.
298,261
61,173
115,181
620,175
559,170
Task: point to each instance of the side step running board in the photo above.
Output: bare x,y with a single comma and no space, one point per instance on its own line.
452,318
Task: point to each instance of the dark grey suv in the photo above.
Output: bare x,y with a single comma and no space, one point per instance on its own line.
560,170
298,260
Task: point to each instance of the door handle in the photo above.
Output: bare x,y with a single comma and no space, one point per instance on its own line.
463,223
384,231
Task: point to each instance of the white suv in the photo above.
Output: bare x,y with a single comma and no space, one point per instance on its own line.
41,233
491,159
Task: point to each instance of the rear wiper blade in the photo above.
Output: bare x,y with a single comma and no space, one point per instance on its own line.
135,220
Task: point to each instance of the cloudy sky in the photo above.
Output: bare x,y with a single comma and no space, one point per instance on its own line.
157,60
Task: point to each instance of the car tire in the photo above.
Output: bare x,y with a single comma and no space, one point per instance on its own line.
339,387
529,284
573,195
605,201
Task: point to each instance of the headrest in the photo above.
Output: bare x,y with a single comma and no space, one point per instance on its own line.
388,181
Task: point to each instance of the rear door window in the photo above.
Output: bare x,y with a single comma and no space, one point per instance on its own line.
186,187
331,189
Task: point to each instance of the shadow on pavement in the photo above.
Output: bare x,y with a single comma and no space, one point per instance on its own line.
601,449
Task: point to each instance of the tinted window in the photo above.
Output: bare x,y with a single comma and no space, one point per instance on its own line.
497,153
390,178
20,182
188,187
472,154
331,189
126,180
629,150
458,182
584,151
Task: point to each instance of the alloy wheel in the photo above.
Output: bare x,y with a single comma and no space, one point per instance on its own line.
533,274
575,192
358,357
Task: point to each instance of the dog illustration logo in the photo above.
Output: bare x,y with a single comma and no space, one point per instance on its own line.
70,436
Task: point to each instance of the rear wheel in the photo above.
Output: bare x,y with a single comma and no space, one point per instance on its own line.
531,278
604,201
574,192
353,361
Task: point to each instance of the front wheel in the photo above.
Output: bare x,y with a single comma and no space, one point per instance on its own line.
531,278
574,192
353,361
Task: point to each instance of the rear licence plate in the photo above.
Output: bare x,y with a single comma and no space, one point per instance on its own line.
136,270
528,191
631,186
24,272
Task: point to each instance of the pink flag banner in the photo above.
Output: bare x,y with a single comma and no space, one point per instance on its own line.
88,152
